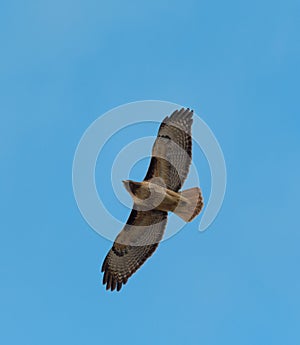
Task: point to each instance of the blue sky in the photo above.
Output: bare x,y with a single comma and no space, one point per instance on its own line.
64,63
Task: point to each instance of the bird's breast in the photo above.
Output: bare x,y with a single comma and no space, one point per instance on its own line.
152,196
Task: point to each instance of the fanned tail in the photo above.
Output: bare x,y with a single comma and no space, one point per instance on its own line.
190,204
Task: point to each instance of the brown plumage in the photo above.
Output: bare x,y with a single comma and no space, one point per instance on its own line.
153,199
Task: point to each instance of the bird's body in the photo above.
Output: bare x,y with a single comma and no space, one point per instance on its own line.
149,196
153,198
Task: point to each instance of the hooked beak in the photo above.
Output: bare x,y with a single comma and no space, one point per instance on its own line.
126,185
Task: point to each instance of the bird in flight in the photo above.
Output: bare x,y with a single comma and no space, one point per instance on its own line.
153,198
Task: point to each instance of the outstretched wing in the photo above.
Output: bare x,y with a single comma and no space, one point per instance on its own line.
172,150
133,246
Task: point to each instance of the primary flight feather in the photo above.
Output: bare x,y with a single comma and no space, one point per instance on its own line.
153,198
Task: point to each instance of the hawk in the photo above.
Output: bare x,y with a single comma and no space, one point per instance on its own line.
153,198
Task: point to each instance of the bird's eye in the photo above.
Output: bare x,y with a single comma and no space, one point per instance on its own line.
132,186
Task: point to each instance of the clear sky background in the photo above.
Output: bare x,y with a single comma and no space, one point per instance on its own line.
64,63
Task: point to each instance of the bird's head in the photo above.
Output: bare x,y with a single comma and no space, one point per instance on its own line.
130,186
126,185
